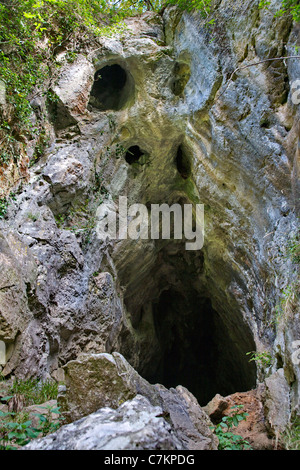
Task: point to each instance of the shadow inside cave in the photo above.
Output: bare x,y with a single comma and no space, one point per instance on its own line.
185,335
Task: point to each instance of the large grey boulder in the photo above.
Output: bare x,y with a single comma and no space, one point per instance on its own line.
95,381
135,425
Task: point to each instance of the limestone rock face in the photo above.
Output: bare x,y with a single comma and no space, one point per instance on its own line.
135,425
178,130
17,277
277,402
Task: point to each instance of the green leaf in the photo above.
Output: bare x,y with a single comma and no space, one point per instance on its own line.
12,434
235,420
4,414
29,15
32,433
12,425
6,398
26,424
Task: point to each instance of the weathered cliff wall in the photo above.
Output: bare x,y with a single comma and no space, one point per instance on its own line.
194,136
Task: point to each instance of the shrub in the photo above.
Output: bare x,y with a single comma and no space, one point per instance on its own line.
227,439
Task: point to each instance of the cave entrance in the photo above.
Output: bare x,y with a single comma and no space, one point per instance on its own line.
196,350
185,332
112,88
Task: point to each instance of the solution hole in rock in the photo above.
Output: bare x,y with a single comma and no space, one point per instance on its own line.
133,154
182,74
112,88
183,163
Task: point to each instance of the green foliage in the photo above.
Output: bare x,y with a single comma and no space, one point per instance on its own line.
292,7
3,207
60,220
263,359
263,4
46,423
293,249
34,390
227,439
291,436
16,432
204,6
16,429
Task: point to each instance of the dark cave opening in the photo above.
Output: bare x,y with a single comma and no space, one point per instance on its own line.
133,154
112,88
187,334
188,346
195,350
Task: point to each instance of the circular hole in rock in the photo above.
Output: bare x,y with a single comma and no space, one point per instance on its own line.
133,154
112,88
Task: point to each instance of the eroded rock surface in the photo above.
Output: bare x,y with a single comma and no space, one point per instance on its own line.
177,316
135,425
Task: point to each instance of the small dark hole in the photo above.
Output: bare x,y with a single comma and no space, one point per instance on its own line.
183,163
133,154
265,124
279,361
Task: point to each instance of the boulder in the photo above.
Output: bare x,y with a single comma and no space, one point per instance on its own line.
95,381
216,407
191,424
135,425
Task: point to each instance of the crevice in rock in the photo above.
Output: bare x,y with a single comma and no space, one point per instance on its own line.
113,88
183,163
